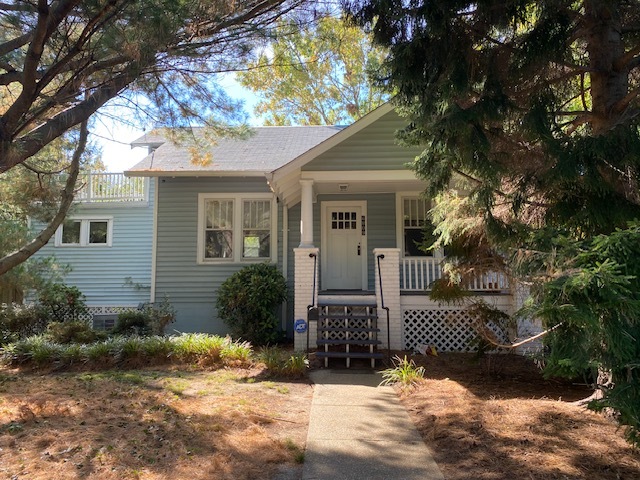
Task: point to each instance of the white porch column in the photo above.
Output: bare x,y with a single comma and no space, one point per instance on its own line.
304,293
306,214
390,276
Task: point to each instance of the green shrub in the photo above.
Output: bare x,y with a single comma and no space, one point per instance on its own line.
62,303
21,321
73,332
136,322
150,320
160,315
247,302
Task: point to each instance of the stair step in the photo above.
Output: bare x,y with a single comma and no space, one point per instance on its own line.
348,305
344,329
342,316
350,355
348,342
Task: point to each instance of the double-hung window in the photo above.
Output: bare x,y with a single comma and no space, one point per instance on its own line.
84,232
235,228
414,221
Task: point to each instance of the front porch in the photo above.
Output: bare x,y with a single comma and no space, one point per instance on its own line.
395,315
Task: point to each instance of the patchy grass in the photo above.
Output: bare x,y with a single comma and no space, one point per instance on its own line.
513,425
149,424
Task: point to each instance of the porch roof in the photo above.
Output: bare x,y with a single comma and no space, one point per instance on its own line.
347,177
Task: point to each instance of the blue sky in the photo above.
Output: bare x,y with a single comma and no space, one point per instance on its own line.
114,137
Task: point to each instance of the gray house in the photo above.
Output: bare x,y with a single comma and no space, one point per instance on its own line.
335,208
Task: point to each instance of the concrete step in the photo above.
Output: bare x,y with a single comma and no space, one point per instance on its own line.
348,342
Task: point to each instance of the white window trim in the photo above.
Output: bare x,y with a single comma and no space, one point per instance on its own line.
237,199
400,196
84,232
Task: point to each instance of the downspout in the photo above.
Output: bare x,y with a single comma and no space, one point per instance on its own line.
154,240
285,260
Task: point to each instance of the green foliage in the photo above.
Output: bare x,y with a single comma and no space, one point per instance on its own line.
160,315
133,323
247,302
315,74
73,332
152,319
528,103
280,362
404,372
237,353
62,302
41,351
21,321
595,303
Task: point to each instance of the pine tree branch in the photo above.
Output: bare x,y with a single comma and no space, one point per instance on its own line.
511,346
67,195
29,144
15,43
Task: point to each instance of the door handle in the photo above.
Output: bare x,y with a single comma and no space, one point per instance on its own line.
358,249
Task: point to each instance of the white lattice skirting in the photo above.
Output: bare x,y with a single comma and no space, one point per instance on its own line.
449,330
103,317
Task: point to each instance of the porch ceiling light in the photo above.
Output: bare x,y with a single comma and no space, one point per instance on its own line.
343,187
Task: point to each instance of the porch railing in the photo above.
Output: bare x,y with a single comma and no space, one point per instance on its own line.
111,187
418,273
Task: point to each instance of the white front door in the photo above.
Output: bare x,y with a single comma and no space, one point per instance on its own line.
344,256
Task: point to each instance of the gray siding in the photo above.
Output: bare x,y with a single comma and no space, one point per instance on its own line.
101,272
372,148
293,237
192,287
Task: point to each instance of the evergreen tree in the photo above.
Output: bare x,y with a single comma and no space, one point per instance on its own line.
534,107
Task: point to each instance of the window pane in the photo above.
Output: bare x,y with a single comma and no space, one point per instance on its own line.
256,214
256,244
98,232
414,216
218,244
219,214
412,238
71,232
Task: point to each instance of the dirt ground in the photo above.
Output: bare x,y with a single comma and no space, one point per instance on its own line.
189,423
501,420
151,424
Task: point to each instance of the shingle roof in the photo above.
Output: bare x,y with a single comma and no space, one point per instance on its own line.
267,149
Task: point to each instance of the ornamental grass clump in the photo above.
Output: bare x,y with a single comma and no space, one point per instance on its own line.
280,362
199,348
404,372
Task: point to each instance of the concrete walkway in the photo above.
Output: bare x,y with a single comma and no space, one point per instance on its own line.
359,430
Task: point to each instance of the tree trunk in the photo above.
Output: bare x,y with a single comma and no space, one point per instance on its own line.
609,84
16,258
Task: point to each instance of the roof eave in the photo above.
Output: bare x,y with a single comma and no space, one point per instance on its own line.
194,173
